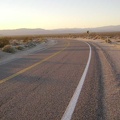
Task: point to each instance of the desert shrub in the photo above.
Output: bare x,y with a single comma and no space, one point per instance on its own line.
108,41
15,42
3,42
30,44
8,48
27,39
43,40
19,47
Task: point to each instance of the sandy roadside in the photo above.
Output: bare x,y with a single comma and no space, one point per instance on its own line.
112,50
7,57
109,55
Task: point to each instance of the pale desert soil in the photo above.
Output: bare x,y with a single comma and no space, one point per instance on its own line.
7,57
109,54
111,79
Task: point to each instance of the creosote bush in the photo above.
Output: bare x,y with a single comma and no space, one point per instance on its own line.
19,47
3,42
9,49
14,42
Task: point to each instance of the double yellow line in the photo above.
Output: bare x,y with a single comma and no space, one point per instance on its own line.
32,66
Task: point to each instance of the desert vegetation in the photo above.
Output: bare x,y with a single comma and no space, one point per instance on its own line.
107,37
13,43
22,42
8,48
4,41
87,34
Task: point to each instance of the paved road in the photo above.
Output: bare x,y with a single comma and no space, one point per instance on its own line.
40,86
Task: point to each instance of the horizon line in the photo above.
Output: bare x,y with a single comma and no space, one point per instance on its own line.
61,28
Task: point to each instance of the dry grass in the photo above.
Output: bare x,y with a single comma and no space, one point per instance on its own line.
19,42
100,35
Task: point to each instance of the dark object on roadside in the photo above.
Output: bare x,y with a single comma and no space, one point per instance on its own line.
108,41
88,32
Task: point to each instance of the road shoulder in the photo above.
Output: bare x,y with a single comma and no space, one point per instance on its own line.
7,57
110,75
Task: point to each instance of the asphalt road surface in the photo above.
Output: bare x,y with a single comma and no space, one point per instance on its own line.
41,85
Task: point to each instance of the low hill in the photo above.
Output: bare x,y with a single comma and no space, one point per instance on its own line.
39,31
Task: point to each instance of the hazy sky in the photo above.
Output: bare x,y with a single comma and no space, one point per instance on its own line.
52,14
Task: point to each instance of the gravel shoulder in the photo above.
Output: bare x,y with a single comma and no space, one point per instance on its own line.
109,55
8,57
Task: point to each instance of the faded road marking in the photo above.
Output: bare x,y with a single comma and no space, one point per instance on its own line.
72,104
32,66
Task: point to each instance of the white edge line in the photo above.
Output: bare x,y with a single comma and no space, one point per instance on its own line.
72,104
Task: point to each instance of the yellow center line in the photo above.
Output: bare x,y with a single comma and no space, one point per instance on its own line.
32,66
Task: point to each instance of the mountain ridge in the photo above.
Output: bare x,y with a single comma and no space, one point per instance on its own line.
39,31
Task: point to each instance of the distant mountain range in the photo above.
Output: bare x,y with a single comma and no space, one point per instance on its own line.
24,31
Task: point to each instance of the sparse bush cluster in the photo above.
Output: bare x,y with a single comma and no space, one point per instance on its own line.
21,42
13,44
92,35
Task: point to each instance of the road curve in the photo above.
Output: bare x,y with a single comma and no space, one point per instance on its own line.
40,86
